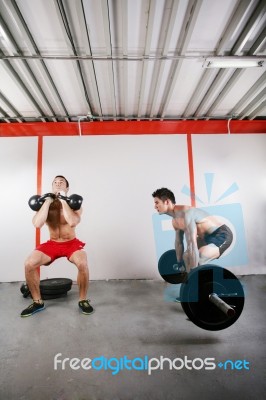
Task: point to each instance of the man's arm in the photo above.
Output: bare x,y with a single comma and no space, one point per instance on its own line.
192,252
72,217
40,217
179,245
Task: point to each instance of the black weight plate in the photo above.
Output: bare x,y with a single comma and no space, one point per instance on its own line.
50,287
24,290
203,281
167,267
54,291
55,284
53,296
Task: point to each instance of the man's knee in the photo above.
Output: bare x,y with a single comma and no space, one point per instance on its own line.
30,264
35,259
82,265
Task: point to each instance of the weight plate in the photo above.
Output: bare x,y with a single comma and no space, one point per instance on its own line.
203,281
24,290
168,268
54,291
55,287
53,296
55,284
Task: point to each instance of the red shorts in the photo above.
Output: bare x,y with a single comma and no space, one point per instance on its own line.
56,250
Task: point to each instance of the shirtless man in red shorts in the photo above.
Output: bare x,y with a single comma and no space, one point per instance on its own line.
61,220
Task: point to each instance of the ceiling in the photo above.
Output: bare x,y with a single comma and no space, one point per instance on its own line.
98,60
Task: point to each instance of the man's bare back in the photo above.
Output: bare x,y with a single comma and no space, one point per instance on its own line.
205,223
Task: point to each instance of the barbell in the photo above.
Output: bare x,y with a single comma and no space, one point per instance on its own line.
211,296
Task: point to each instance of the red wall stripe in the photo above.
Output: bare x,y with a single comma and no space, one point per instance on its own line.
191,170
39,165
39,182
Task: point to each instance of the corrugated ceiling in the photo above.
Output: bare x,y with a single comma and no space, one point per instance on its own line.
71,60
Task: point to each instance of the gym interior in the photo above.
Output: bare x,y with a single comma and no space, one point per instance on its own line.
201,134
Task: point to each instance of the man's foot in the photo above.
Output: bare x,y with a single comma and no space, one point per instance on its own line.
85,307
32,309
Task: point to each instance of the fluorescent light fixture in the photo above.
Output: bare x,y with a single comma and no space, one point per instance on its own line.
233,62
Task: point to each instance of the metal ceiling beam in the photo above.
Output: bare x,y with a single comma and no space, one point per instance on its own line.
225,90
258,110
110,66
7,103
157,77
4,116
237,48
199,92
236,75
254,104
63,20
188,30
24,66
149,31
259,43
13,9
251,93
129,58
10,70
124,95
196,102
254,21
90,65
235,23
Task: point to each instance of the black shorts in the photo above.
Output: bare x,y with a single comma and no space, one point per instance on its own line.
221,237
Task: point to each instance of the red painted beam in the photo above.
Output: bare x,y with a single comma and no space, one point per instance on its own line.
131,128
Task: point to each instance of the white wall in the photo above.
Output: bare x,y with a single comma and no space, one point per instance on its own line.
18,158
116,176
239,159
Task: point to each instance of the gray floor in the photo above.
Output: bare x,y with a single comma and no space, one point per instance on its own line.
132,319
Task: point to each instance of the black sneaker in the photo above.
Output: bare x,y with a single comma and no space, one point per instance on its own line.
32,309
85,307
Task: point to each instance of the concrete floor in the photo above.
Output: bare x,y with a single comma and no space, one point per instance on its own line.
132,319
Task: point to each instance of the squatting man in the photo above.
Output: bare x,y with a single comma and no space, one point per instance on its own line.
61,216
206,237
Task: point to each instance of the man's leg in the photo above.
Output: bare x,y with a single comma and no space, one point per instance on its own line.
35,259
208,253
79,258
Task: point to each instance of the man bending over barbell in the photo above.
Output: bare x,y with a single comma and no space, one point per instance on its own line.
61,214
206,237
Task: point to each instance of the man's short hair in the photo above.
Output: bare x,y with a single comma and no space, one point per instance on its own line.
164,194
61,176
